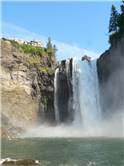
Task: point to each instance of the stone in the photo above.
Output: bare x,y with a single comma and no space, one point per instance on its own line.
85,57
20,162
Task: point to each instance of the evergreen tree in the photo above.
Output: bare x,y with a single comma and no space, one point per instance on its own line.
121,20
122,7
116,25
113,20
54,49
49,45
51,49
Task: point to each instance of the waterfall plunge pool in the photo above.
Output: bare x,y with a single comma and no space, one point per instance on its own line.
67,151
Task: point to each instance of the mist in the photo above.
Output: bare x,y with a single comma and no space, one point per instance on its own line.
104,114
113,127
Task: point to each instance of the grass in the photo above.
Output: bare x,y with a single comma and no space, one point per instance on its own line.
33,50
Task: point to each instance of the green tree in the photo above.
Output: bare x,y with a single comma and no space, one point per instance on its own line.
54,50
122,6
116,25
113,24
49,45
121,20
51,49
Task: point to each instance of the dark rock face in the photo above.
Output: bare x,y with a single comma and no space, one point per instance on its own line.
85,57
111,77
46,105
64,93
43,91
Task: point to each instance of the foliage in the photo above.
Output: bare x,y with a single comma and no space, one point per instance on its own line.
46,69
37,62
32,61
121,19
113,20
51,49
49,45
33,50
114,37
116,25
35,55
15,44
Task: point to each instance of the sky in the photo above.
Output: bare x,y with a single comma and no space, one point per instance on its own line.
76,28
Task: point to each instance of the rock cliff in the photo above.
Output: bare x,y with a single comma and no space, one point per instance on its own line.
64,91
111,77
27,86
27,90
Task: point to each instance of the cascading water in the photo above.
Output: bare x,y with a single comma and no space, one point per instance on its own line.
57,118
84,98
63,93
76,103
85,93
69,66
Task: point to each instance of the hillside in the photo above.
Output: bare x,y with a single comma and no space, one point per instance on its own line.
27,75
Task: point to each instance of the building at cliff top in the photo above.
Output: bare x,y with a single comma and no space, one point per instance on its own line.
35,43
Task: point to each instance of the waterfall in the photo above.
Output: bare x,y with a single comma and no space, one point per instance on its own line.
85,93
63,92
57,118
69,81
77,92
77,105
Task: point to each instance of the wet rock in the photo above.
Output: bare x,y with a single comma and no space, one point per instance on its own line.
64,91
20,162
85,57
110,67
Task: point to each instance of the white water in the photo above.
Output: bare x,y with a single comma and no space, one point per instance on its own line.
87,115
55,96
86,93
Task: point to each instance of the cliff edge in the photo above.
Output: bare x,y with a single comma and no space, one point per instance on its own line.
27,90
111,77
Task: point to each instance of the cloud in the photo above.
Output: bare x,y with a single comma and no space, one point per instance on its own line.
65,50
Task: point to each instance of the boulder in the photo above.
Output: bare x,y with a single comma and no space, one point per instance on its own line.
85,57
20,162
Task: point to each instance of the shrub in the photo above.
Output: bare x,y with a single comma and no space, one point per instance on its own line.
32,49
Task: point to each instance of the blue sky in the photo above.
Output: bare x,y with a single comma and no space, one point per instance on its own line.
75,27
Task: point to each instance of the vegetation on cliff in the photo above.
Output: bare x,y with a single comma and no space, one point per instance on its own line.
49,50
39,57
27,81
116,24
